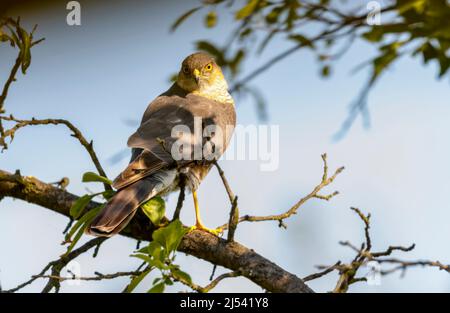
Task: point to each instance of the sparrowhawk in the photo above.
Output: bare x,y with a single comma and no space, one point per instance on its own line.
197,100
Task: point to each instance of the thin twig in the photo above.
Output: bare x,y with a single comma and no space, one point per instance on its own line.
322,273
28,282
9,81
350,21
366,220
98,276
234,212
293,210
56,267
59,264
230,193
364,255
11,24
181,196
208,287
234,220
75,133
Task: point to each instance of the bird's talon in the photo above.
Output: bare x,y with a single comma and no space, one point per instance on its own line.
215,232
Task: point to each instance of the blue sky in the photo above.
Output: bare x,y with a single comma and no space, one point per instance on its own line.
104,73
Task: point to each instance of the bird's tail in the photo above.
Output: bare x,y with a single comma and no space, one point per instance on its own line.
120,209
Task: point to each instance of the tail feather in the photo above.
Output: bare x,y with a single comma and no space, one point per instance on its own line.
121,208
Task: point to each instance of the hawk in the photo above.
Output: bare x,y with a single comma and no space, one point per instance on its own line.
182,132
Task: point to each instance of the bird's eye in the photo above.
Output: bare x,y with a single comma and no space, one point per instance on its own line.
208,67
185,70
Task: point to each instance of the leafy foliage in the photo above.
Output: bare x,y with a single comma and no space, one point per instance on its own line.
329,28
17,36
93,177
76,211
155,209
159,254
11,32
79,205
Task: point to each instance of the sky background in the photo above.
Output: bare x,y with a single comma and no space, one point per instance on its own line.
103,74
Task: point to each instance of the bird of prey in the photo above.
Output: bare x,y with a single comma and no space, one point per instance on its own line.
182,132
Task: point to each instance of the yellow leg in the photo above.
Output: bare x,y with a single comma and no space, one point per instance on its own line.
198,221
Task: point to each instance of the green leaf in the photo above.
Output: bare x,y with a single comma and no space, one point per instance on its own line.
85,218
444,63
168,281
93,177
157,279
182,18
158,288
151,261
16,40
182,276
429,52
79,205
211,19
143,257
405,5
382,62
170,236
374,35
158,264
302,40
136,281
155,209
325,71
4,37
245,33
79,227
25,52
143,250
247,10
377,32
156,251
272,17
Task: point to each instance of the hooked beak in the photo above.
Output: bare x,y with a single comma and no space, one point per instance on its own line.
196,74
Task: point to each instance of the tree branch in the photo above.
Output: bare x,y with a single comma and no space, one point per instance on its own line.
234,212
200,244
75,133
98,276
364,255
293,210
208,287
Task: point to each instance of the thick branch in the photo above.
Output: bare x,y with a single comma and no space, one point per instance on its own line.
200,244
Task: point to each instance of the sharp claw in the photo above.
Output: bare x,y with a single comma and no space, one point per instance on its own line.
216,231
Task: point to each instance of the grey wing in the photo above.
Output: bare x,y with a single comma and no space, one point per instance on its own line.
142,165
143,162
157,133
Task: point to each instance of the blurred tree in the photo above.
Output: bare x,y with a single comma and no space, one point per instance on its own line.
415,28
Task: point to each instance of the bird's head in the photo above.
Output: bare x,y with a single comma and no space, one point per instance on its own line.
200,74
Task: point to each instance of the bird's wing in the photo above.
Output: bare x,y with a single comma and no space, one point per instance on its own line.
156,134
155,138
144,164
